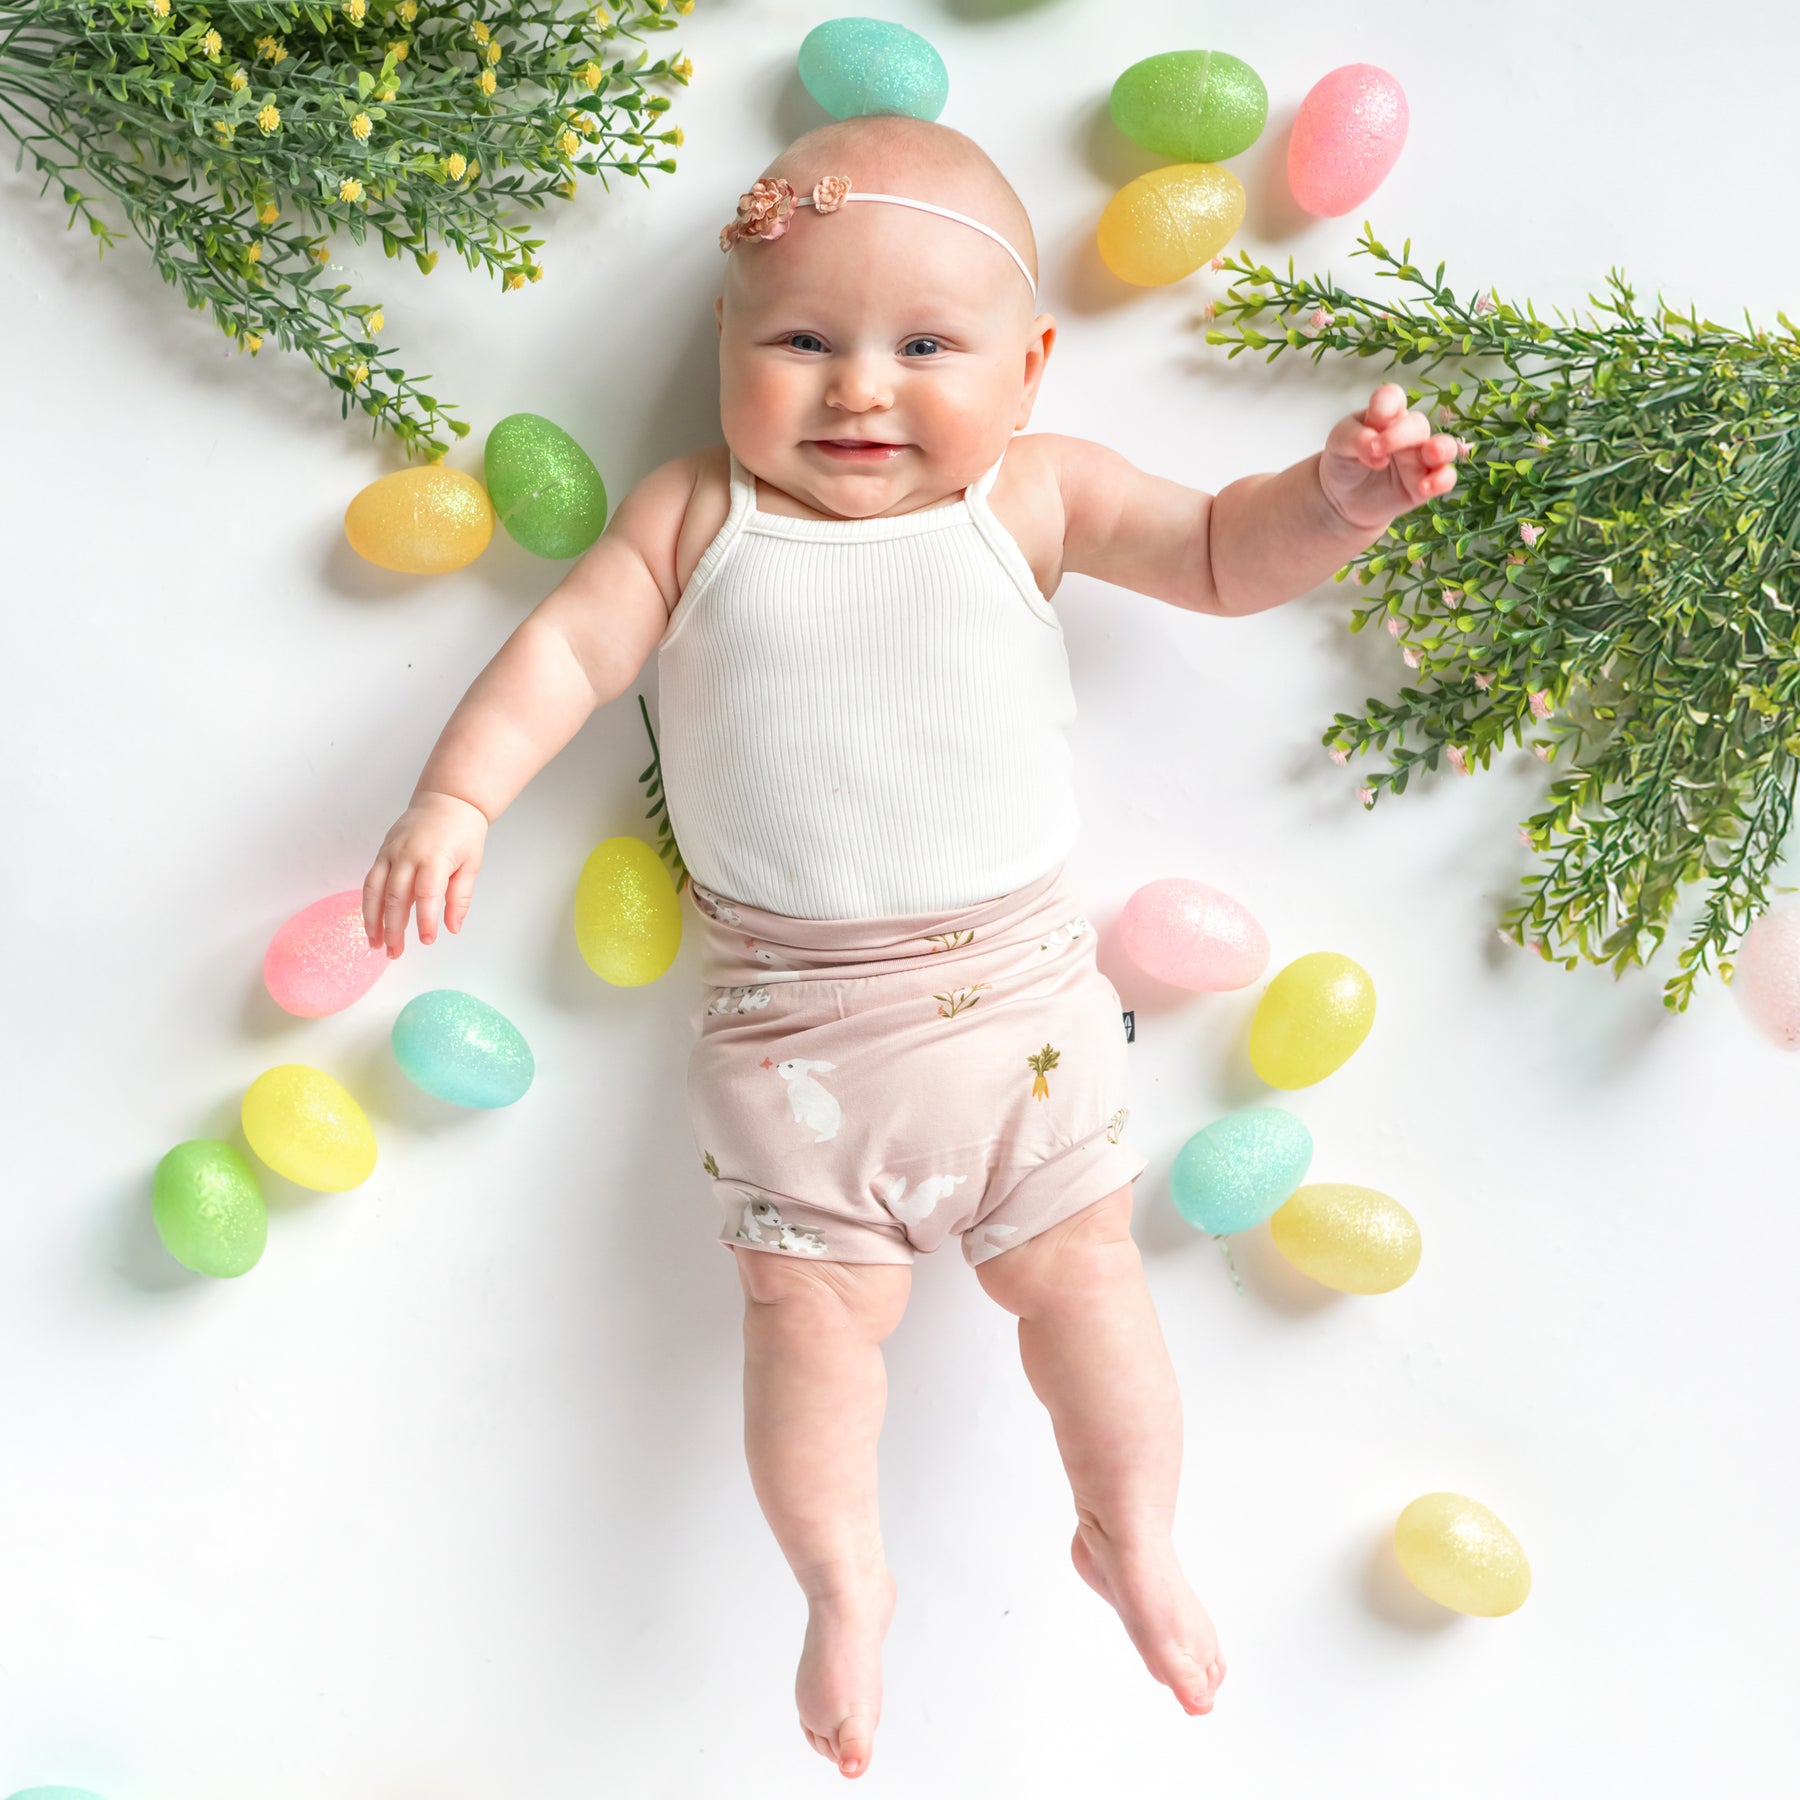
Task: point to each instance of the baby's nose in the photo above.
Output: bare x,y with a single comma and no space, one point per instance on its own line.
856,384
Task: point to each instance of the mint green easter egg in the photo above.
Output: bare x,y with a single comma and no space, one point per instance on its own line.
854,67
1240,1168
545,488
1193,106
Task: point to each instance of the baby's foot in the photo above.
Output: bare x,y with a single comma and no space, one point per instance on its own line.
839,1684
1144,1584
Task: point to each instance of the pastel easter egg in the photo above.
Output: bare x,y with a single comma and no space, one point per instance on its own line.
1194,106
306,1127
544,488
423,521
1314,1015
1192,936
1349,1238
1240,1168
856,66
627,913
1167,223
320,960
54,1793
1347,135
208,1209
1766,973
1457,1552
462,1050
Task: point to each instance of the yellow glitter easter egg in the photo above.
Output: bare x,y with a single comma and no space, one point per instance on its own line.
1315,1014
1457,1552
627,913
1350,1238
1167,223
306,1127
424,521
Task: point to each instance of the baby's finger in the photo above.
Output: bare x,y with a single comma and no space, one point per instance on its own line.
1386,404
1439,450
1409,429
428,896
458,895
399,904
374,890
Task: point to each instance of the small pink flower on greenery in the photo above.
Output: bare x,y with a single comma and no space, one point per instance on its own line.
1339,755
1366,796
828,193
1446,415
1452,597
1459,758
1484,681
1218,262
1318,319
1542,752
1530,533
1208,313
1393,625
1410,657
762,213
1485,304
1526,839
1540,703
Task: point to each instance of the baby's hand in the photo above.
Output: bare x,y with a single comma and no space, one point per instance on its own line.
431,856
1384,459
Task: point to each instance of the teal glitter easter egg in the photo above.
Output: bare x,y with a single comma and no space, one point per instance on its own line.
209,1212
462,1050
1240,1168
1194,106
54,1793
545,489
853,67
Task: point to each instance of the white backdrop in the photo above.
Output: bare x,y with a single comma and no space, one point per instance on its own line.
446,1498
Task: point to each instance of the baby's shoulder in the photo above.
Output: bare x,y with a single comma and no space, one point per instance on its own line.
1027,498
674,512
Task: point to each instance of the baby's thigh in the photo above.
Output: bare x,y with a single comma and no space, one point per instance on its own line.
869,1299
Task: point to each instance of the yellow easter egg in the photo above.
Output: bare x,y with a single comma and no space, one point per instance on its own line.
423,521
1167,223
627,913
1315,1014
1457,1552
306,1127
1350,1238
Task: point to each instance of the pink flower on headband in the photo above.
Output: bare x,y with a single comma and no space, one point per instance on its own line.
762,213
828,194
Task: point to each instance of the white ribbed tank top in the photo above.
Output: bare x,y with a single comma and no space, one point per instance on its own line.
864,717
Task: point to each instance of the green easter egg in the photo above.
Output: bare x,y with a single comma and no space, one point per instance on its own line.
855,67
208,1209
1195,106
545,489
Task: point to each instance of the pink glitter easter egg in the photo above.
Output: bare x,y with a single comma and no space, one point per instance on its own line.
1347,135
1192,936
1766,973
320,960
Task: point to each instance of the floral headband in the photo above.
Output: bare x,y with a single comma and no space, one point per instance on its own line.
764,213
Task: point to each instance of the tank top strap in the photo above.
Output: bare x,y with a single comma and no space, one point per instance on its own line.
1005,546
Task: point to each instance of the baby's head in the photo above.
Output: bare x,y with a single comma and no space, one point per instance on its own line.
882,323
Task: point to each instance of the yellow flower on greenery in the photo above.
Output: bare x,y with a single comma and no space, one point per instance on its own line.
398,50
225,130
592,74
684,6
212,43
361,126
386,91
320,253
568,143
239,80
537,271
253,253
350,188
479,31
409,10
269,119
493,53
515,279
375,321
358,373
487,81
454,165
160,8
428,262
602,17
675,137
268,213
356,10
474,170
252,342
566,189
681,68
269,48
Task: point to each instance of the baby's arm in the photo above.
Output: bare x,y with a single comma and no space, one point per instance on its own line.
581,646
1264,538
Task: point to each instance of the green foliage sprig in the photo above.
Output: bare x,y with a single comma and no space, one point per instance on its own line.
1613,582
236,138
652,782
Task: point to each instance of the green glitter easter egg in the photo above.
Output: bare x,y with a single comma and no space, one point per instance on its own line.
1195,106
545,489
854,67
462,1050
1240,1168
208,1209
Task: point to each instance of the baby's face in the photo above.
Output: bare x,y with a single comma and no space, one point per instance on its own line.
878,326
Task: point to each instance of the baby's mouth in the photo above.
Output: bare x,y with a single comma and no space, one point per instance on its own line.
856,450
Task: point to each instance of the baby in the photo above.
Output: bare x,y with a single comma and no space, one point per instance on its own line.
863,691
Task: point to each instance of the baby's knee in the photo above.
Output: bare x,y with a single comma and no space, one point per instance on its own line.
809,1291
1086,1251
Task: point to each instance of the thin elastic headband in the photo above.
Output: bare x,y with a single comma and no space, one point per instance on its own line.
765,210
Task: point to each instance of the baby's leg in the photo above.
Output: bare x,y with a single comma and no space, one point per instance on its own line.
1095,1356
815,1387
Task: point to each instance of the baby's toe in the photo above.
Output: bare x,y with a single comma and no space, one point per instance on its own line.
855,1739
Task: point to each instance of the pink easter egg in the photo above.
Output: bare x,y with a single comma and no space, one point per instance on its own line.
1346,137
320,960
1192,936
1766,973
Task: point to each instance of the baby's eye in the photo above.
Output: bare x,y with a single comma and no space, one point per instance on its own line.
804,340
932,346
